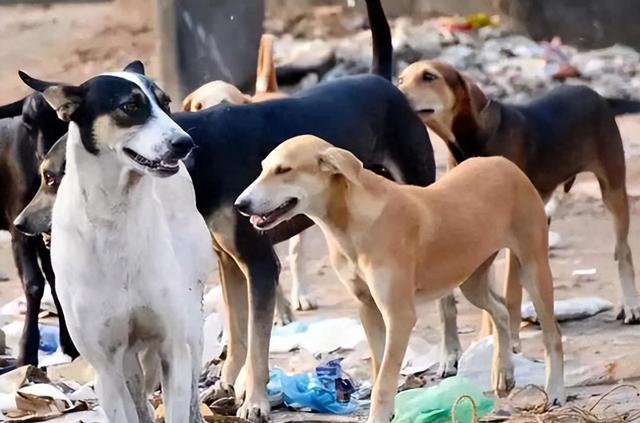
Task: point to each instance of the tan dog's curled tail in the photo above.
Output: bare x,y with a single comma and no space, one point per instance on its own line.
266,72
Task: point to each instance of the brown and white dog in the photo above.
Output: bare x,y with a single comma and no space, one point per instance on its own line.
568,131
368,219
216,92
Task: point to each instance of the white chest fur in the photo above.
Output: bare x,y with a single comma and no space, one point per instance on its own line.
126,249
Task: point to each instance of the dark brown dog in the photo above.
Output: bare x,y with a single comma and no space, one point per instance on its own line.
552,139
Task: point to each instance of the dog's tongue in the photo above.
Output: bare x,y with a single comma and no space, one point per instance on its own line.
256,220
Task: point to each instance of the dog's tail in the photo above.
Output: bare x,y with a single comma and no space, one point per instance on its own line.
266,73
382,63
621,106
12,110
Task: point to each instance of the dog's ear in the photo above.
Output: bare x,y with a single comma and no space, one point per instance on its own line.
136,67
64,99
338,161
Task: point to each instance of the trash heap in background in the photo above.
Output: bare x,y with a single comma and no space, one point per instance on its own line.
332,42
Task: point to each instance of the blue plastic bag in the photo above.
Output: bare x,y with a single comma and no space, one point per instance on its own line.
325,390
49,338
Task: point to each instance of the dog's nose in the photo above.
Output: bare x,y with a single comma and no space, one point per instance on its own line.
243,206
181,146
21,224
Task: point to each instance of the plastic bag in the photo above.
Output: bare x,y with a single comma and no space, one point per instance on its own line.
49,338
325,390
433,404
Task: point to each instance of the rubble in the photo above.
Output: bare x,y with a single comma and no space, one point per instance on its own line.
507,66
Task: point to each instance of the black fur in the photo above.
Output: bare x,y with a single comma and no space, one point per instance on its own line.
28,128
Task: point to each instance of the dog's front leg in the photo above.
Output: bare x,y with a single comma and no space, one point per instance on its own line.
394,296
26,258
263,275
177,387
66,343
450,347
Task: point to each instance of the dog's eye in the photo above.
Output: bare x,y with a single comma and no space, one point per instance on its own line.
49,178
282,170
428,76
130,107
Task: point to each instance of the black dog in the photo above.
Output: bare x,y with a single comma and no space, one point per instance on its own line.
365,114
28,128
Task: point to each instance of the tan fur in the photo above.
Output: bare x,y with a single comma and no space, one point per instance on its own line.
460,107
216,92
401,239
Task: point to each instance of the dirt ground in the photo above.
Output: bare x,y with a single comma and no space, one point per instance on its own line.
73,41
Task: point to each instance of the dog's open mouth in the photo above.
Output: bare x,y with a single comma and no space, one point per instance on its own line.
161,166
46,237
264,220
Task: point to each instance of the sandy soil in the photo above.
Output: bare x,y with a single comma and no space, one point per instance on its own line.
71,42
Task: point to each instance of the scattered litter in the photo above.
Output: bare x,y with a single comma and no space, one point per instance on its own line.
585,274
420,356
27,394
435,403
318,336
326,390
476,364
571,309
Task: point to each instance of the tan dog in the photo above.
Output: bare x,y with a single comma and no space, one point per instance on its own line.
570,130
216,92
446,240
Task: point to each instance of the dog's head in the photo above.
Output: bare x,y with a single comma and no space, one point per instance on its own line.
39,120
431,88
35,218
211,94
298,177
121,113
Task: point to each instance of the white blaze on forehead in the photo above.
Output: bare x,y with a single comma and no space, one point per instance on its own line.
137,79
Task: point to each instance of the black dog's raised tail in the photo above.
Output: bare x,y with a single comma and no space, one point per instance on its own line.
12,110
382,62
621,106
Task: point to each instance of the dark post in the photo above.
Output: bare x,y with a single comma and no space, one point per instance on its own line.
204,40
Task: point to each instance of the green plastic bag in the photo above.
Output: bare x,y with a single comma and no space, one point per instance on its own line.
433,404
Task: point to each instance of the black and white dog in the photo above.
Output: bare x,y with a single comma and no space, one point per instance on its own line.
129,243
28,128
365,114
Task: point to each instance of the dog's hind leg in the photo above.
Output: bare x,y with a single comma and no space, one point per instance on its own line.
537,280
25,253
513,298
135,381
477,289
450,345
299,249
615,198
66,343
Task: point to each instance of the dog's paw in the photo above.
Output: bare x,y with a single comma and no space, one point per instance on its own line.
255,410
629,315
283,316
557,396
503,381
303,302
448,365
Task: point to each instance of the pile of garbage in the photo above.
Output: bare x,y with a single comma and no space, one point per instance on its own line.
506,65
